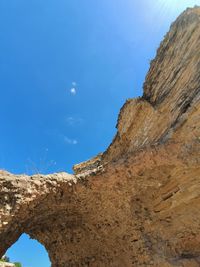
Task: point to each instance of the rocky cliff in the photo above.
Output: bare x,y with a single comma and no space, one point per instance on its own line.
137,204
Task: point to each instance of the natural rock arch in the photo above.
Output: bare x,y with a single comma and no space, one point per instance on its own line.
27,251
138,203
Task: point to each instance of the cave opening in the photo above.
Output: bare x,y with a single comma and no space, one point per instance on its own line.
28,252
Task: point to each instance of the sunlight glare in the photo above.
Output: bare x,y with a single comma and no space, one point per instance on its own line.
173,4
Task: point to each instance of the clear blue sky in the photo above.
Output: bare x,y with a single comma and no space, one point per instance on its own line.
66,68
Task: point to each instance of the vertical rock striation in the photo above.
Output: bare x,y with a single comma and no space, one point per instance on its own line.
171,91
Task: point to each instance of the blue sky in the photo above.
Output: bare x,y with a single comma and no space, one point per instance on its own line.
66,68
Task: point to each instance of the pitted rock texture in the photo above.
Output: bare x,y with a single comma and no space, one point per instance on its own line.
171,91
137,204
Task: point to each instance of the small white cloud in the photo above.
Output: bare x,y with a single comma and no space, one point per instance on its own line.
73,121
73,91
70,141
74,84
74,142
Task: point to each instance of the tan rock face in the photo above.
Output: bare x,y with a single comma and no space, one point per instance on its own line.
171,91
138,204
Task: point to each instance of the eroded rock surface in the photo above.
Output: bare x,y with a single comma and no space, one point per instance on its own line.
137,204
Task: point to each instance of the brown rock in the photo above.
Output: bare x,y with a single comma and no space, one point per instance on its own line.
138,204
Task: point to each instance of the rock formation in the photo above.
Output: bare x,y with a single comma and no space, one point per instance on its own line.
6,264
137,204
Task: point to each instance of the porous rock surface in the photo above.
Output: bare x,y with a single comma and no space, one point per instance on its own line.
137,204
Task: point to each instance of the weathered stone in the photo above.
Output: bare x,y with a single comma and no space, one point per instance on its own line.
138,204
7,264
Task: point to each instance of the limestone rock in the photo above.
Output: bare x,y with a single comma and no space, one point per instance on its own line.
171,91
7,264
137,204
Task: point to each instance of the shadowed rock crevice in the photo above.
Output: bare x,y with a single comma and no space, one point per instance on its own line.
138,203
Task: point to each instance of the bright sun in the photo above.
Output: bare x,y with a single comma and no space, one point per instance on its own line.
178,3
174,6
